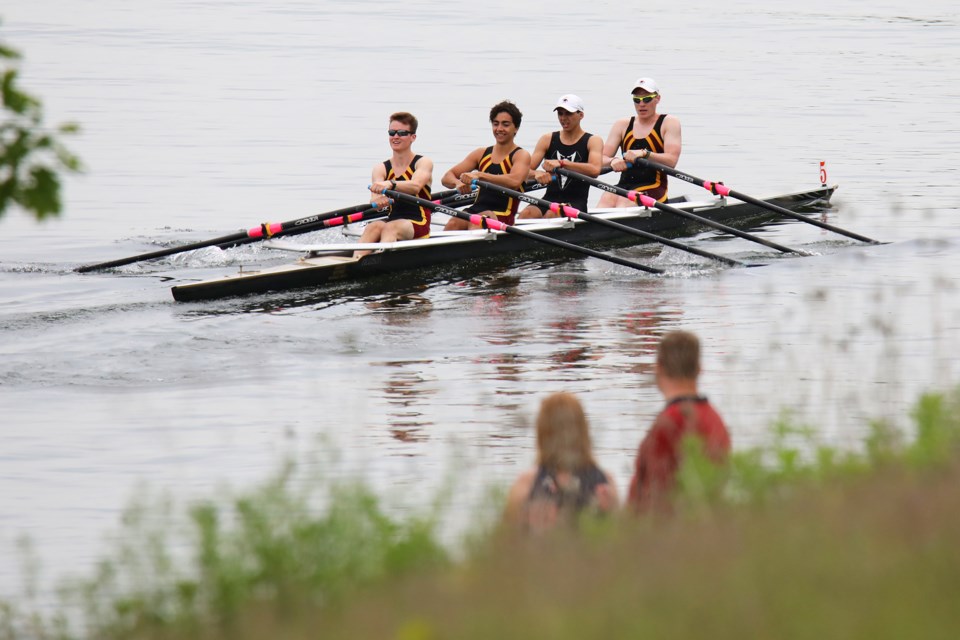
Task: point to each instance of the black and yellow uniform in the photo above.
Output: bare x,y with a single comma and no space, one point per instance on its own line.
566,189
642,178
504,206
403,210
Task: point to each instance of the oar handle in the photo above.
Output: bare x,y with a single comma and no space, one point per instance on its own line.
492,223
720,189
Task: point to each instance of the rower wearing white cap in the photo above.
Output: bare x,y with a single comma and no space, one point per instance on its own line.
644,135
571,148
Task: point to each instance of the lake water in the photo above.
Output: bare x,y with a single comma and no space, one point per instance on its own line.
202,118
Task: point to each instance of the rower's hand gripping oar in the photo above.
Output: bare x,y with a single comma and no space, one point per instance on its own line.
529,185
573,212
650,203
719,189
496,225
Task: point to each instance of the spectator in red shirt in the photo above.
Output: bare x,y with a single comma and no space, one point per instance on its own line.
687,414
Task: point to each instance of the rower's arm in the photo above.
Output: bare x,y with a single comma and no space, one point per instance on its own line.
378,182
612,145
518,173
591,167
423,176
451,179
672,144
539,152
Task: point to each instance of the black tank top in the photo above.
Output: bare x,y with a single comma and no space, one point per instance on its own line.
565,189
568,502
403,209
488,199
642,177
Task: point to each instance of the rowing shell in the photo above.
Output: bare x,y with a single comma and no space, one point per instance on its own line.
320,265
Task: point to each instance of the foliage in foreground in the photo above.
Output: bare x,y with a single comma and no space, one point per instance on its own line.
286,543
796,541
30,155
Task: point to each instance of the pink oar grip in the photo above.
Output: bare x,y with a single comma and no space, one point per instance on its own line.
563,209
339,220
490,223
645,200
716,187
267,229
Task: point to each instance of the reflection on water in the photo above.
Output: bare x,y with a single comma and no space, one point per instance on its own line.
406,391
644,329
401,310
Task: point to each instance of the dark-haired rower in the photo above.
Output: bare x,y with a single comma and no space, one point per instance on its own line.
504,163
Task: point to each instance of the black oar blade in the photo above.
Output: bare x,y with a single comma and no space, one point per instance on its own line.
262,232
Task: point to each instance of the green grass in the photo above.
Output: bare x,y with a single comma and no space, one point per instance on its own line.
793,541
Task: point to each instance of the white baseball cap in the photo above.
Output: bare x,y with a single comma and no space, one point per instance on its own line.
569,103
647,84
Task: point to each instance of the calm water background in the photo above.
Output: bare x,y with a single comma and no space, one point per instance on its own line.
201,118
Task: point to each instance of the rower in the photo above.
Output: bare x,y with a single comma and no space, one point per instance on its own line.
504,163
405,172
647,135
572,148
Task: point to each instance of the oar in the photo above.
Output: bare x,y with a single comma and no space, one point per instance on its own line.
453,198
650,203
254,234
271,229
573,212
719,189
491,223
529,185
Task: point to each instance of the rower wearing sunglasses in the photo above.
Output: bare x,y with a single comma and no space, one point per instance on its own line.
644,135
404,172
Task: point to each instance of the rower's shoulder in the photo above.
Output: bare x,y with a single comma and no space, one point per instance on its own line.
592,138
520,152
620,123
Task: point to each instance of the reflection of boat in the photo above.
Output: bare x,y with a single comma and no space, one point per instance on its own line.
330,263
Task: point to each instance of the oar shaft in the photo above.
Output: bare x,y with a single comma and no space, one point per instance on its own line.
160,253
491,223
650,203
718,188
254,234
573,212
